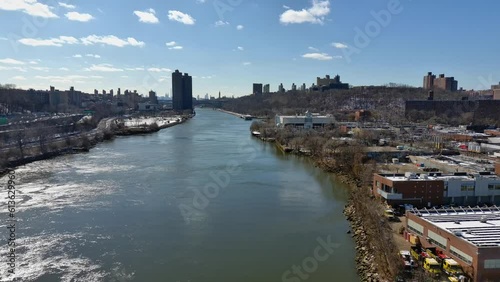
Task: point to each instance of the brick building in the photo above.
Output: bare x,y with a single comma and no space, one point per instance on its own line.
435,189
468,235
441,82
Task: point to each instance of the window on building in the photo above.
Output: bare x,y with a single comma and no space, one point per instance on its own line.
494,186
492,263
437,243
466,187
415,230
461,257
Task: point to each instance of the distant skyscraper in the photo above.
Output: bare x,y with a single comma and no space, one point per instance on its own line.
267,88
281,88
182,91
257,88
152,97
96,91
119,92
207,97
303,87
219,94
294,87
111,92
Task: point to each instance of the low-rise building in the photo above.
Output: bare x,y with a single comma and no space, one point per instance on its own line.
435,189
306,121
148,106
468,235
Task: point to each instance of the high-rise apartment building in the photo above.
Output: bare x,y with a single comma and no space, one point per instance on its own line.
257,88
441,82
267,88
182,91
496,91
281,88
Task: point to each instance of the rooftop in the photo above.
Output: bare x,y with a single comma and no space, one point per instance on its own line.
436,177
479,225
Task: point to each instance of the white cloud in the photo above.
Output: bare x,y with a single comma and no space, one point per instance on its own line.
247,63
59,41
63,69
40,68
111,40
103,68
286,7
77,56
201,1
147,16
241,48
134,69
21,69
10,61
62,79
320,56
176,48
93,56
180,17
18,77
221,23
313,49
159,70
33,62
171,43
67,6
30,7
239,27
315,14
339,45
4,38
79,17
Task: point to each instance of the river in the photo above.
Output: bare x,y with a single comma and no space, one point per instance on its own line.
198,202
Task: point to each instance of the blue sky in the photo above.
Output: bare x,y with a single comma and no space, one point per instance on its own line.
226,45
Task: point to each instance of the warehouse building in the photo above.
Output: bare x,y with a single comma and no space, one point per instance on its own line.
435,189
471,236
307,121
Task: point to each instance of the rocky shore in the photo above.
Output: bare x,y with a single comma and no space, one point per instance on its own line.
365,260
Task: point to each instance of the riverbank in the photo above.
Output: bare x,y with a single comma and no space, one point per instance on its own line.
106,130
145,125
376,253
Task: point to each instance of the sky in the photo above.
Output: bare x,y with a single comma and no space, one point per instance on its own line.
226,45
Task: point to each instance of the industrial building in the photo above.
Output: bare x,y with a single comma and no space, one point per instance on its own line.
471,236
307,121
435,189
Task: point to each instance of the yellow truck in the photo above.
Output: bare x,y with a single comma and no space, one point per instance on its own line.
389,214
452,268
432,267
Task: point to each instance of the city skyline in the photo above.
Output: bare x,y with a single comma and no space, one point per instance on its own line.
93,45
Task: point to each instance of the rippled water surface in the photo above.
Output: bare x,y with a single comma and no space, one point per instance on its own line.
197,202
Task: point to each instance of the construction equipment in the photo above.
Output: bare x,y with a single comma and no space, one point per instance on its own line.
432,267
452,267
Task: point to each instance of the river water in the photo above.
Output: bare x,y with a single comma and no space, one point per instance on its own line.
198,202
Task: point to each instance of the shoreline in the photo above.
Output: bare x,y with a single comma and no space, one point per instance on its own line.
102,135
361,213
